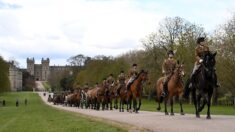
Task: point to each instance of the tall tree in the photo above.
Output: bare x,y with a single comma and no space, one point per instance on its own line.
4,76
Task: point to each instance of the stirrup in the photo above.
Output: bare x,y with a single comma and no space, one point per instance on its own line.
163,94
190,86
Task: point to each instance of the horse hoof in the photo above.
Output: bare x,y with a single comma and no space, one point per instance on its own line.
166,113
208,117
198,116
182,113
172,114
158,109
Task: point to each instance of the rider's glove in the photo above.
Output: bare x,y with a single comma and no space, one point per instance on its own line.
200,61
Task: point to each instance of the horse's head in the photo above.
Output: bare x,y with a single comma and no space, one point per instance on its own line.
209,62
180,69
143,75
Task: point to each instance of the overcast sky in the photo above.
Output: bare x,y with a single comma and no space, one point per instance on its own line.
59,29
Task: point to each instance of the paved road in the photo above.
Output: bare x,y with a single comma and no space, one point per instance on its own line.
158,122
39,86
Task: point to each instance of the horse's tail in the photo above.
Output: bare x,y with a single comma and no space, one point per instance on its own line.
186,89
158,90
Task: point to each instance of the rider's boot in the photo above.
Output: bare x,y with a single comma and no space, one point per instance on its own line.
165,90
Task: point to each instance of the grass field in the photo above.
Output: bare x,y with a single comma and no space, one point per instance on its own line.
46,86
38,117
188,108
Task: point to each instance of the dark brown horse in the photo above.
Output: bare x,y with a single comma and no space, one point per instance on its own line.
175,88
203,84
136,90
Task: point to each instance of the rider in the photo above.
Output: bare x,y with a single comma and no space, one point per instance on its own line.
132,74
121,81
86,86
200,49
110,80
104,82
168,68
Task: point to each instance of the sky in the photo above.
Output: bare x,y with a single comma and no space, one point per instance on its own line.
59,29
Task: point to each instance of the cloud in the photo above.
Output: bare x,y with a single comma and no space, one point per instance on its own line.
4,5
60,29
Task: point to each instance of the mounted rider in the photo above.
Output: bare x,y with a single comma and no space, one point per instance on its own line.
168,68
199,51
133,72
110,80
121,81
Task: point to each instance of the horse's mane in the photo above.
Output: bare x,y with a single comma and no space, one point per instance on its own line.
142,71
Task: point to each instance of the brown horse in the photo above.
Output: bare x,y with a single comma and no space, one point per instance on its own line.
136,90
73,99
123,97
175,88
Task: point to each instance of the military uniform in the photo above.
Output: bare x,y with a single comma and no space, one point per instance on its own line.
199,50
121,82
133,72
110,80
168,68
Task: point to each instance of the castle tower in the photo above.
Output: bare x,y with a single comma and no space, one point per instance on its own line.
45,69
30,66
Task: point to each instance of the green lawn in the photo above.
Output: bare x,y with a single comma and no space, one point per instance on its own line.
46,86
215,110
38,117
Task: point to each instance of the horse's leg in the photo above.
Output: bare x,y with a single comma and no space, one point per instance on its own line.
122,106
171,102
203,105
209,104
165,103
139,104
181,107
198,103
134,104
111,104
159,103
195,103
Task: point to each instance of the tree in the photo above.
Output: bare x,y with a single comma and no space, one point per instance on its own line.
28,81
176,34
224,43
78,60
4,76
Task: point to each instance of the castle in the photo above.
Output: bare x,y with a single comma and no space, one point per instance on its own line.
41,72
15,77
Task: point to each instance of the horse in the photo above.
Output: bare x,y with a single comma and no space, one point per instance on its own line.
92,98
175,88
73,99
136,90
123,97
58,98
203,84
112,96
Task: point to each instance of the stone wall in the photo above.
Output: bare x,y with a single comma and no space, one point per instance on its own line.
15,77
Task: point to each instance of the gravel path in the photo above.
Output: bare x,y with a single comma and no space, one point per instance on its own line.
158,122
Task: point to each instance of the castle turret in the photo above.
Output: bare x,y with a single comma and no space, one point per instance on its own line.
30,66
45,69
